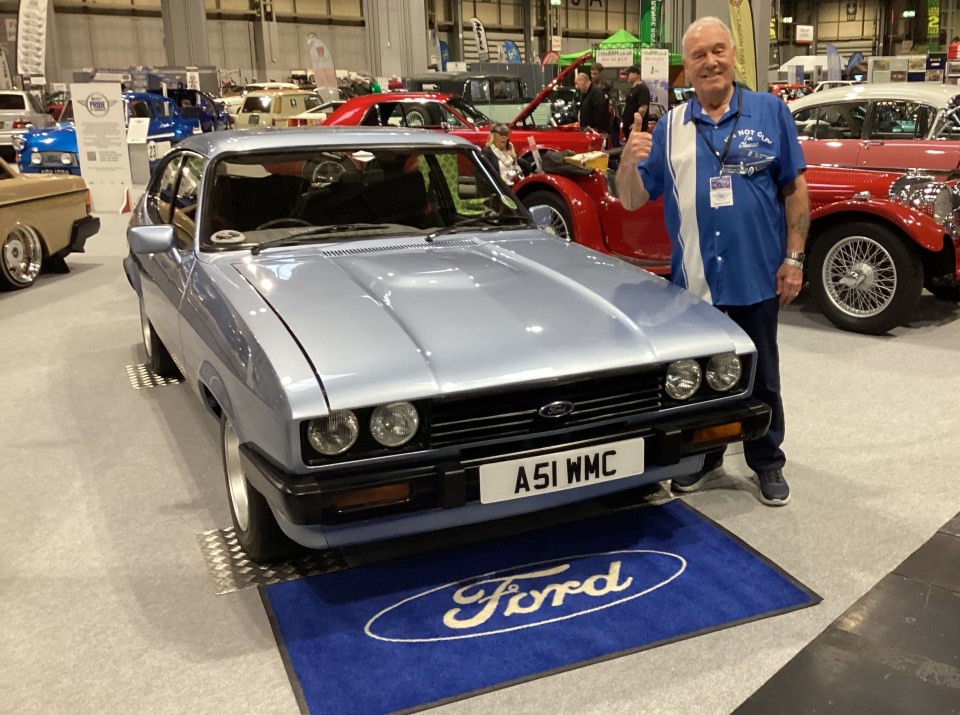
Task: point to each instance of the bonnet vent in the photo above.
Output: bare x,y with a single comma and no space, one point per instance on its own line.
420,245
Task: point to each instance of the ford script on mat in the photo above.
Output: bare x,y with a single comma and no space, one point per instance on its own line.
558,471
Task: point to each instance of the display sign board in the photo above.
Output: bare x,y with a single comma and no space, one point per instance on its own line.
31,37
556,43
193,79
614,57
655,70
138,130
745,55
101,143
804,34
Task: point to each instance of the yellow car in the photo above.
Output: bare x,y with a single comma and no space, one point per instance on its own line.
272,108
43,217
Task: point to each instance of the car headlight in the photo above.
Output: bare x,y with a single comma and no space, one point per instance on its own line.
36,159
18,142
395,424
66,158
903,187
683,379
934,198
334,434
723,371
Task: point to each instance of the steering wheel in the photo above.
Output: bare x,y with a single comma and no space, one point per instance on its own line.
283,222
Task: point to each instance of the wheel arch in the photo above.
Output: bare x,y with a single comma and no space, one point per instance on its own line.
582,209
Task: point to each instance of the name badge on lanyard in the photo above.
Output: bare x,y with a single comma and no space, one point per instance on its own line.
721,191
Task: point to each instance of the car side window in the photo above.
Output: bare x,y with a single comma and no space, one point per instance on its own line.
899,119
186,199
949,126
311,102
140,109
479,90
452,120
806,121
841,121
160,197
162,109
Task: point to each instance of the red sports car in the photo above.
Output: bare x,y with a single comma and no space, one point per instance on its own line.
437,110
876,238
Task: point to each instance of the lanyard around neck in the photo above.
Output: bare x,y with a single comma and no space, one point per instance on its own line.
721,158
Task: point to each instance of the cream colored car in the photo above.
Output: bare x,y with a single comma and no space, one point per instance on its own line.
43,217
272,108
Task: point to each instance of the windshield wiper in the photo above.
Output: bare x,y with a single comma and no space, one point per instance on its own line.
489,220
320,232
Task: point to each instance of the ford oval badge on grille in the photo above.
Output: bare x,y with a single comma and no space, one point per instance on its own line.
560,408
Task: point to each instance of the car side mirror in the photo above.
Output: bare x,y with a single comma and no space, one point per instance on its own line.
152,239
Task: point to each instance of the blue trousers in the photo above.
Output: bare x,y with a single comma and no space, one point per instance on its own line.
759,321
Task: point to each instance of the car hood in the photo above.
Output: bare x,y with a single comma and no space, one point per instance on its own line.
382,321
63,136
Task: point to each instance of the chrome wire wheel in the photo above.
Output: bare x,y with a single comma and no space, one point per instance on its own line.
236,482
558,220
860,276
22,256
557,226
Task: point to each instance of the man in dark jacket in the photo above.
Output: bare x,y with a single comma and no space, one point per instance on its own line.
594,108
638,100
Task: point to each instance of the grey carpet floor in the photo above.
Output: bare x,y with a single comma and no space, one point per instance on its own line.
107,605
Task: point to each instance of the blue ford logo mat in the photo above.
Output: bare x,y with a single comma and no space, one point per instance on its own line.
435,627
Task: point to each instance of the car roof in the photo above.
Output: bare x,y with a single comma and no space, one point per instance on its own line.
938,95
212,144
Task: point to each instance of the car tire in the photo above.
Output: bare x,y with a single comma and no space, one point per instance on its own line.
943,292
560,223
21,258
864,277
256,528
158,357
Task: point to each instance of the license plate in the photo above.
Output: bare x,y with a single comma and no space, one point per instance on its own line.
558,471
54,171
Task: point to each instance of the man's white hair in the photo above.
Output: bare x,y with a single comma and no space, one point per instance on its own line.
700,22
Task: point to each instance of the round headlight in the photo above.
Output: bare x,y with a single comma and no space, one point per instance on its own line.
18,142
334,434
36,159
683,379
723,372
902,187
934,198
395,424
66,158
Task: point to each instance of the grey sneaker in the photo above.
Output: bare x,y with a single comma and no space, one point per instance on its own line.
774,490
692,482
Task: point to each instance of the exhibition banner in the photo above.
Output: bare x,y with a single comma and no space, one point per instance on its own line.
480,35
31,37
324,73
512,52
614,57
745,59
651,21
655,70
833,62
102,143
6,81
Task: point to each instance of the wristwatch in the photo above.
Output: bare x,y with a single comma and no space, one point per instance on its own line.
793,256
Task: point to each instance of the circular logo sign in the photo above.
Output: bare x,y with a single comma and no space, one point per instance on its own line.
97,104
560,408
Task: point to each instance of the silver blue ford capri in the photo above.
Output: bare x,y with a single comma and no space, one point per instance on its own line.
393,346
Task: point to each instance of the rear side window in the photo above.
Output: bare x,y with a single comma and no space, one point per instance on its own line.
900,119
839,121
12,101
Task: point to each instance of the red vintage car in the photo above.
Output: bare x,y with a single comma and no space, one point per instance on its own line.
439,110
876,238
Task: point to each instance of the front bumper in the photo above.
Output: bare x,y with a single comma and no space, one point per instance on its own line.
448,479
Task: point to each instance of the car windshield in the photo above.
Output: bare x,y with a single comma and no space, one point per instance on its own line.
470,112
339,194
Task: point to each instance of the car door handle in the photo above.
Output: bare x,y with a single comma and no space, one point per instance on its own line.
873,142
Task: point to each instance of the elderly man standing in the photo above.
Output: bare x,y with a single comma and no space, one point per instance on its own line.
594,109
729,166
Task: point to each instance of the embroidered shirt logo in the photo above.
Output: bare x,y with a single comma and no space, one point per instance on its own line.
525,596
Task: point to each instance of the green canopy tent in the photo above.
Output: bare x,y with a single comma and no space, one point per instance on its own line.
619,40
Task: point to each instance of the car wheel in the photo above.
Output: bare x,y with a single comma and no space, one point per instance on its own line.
864,277
21,257
560,223
158,357
256,528
943,292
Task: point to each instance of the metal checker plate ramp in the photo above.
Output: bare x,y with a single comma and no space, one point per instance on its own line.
233,570
141,378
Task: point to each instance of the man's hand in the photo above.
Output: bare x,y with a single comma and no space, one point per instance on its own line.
638,145
789,281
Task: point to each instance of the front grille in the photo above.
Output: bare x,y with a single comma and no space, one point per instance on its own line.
499,415
53,157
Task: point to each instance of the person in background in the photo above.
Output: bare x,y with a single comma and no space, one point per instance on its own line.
594,107
596,78
375,87
501,155
638,101
953,51
395,83
729,166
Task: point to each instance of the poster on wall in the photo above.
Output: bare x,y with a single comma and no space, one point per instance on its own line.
324,72
102,143
655,70
31,37
741,25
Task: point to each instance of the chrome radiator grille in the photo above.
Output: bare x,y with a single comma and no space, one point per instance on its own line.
498,415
